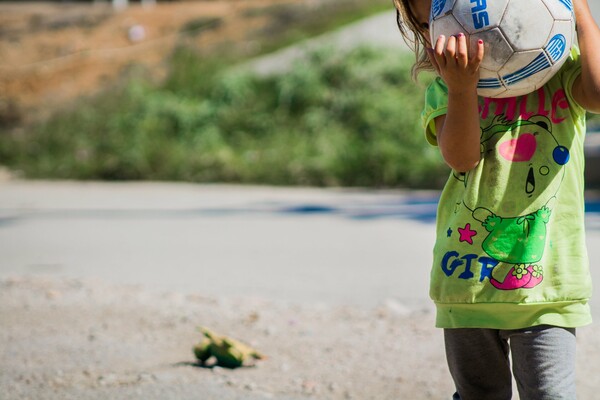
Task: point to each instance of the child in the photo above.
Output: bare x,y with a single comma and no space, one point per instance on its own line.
510,265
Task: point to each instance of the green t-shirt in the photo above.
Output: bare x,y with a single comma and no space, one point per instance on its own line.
510,250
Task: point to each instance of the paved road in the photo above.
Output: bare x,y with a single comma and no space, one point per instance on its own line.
296,244
302,245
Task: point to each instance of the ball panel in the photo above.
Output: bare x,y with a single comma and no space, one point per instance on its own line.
497,49
542,81
524,69
440,7
478,15
493,93
527,24
560,9
445,25
489,84
517,92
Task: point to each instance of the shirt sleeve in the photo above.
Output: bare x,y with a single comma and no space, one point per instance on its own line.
568,73
436,104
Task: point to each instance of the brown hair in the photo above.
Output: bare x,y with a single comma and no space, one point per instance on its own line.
414,35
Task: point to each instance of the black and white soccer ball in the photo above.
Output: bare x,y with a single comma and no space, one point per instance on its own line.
526,41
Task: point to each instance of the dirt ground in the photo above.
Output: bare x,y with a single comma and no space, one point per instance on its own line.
85,339
51,53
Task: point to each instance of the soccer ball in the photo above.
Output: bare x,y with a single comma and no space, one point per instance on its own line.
526,41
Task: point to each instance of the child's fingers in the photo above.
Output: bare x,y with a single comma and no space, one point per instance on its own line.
462,50
478,54
450,50
438,51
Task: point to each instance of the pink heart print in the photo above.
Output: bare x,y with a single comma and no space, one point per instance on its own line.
520,149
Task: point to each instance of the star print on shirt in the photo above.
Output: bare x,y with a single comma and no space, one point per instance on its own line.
449,232
466,234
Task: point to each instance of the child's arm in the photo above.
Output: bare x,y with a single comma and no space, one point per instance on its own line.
586,88
458,132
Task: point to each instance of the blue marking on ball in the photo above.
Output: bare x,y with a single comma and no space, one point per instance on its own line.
438,5
568,4
555,49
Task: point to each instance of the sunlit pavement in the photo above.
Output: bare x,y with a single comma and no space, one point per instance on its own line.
292,244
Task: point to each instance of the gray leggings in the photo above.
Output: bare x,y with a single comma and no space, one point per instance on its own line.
543,360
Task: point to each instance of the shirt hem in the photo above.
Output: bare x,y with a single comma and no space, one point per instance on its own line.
567,314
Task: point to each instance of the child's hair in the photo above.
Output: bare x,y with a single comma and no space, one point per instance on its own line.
415,36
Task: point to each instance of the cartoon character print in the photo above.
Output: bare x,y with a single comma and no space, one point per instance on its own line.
516,234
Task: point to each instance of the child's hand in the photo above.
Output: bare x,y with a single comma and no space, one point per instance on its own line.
458,132
451,60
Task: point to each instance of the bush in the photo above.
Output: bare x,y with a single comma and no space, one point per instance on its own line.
338,118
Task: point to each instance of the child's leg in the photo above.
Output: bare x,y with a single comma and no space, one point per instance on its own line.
478,362
544,362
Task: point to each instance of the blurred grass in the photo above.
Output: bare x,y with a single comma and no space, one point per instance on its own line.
339,119
343,119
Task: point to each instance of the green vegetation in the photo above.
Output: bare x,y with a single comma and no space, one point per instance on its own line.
200,25
349,119
338,119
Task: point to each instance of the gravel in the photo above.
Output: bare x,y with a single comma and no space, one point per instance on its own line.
88,339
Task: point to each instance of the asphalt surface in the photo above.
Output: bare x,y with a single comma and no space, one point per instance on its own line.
299,244
333,246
